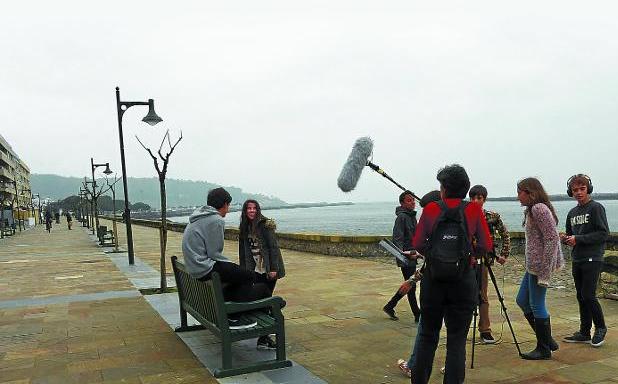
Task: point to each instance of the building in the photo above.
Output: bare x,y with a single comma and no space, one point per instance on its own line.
15,190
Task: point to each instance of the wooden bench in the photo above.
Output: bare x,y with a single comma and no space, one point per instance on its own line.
204,301
106,237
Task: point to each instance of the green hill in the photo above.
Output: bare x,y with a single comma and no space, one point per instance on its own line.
180,193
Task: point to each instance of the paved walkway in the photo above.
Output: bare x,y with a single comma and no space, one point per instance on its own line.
334,323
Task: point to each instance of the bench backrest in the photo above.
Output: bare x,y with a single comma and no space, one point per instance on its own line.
202,299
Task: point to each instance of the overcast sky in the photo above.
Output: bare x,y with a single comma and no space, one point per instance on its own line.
271,95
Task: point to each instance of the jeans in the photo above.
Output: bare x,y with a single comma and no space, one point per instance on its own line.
416,343
586,275
454,303
531,297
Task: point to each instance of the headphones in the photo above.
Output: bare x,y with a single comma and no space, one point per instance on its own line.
589,187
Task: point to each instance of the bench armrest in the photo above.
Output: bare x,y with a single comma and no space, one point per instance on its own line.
275,303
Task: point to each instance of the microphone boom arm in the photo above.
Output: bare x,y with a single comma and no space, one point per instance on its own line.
379,170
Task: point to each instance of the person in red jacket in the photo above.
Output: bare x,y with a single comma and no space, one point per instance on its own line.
450,301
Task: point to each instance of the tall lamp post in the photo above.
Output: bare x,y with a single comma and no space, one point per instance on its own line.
82,194
23,190
38,197
107,171
112,186
152,119
16,204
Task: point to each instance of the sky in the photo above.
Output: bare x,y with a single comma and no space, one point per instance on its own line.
271,95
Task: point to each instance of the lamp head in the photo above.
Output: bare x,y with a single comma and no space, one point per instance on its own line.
107,170
151,118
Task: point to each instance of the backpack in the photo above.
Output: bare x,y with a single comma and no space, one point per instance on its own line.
449,244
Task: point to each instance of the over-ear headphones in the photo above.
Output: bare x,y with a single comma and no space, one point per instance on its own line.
589,187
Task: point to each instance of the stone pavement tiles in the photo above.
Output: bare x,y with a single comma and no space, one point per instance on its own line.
336,329
52,333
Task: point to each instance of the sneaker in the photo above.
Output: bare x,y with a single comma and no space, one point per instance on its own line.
241,323
390,312
578,337
599,337
487,338
265,343
403,367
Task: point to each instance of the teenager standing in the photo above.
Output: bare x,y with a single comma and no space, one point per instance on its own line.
543,258
586,232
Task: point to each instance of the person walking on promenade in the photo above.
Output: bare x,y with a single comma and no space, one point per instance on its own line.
69,220
57,217
403,231
543,258
202,248
48,221
478,194
586,232
258,251
448,286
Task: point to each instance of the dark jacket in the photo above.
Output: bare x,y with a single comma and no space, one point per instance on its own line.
269,249
588,223
403,231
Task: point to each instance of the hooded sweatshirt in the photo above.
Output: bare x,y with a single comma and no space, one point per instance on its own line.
202,241
403,231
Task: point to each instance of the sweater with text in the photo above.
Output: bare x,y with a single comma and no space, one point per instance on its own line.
588,223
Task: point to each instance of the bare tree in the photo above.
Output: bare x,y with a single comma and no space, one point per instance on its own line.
162,171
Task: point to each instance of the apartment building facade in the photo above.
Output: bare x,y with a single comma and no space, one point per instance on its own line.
15,190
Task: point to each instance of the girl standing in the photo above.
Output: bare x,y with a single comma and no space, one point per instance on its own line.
543,258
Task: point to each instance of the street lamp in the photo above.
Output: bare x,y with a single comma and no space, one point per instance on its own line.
23,190
38,197
107,171
83,195
151,118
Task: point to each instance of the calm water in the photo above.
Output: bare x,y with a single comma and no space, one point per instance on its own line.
378,218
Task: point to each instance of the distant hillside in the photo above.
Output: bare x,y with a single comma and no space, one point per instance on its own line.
180,193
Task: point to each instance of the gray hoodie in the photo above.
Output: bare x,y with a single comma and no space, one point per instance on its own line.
202,241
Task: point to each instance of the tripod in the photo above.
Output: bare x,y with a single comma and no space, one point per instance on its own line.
500,298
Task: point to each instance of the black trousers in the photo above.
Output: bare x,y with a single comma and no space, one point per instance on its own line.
454,303
586,275
407,272
240,284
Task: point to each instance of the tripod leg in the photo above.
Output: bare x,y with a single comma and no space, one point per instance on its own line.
506,314
478,285
473,338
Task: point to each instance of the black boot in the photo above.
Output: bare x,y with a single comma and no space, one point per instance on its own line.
389,308
543,335
553,346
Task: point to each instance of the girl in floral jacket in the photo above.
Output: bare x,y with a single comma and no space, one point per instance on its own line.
543,258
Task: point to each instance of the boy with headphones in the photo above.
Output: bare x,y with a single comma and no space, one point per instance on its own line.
586,233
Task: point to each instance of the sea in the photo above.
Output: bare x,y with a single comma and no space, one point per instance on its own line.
378,218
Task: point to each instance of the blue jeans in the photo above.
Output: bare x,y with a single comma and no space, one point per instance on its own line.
531,297
416,342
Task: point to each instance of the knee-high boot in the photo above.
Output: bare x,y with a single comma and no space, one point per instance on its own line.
553,346
543,335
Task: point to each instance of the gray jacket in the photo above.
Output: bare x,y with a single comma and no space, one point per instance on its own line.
202,241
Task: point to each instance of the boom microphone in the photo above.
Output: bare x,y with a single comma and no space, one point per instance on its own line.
358,159
353,167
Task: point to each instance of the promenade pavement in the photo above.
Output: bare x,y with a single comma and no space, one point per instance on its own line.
334,324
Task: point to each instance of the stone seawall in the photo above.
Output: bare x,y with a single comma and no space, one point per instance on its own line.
341,245
367,246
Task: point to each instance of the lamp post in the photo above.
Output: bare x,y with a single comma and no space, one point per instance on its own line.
107,171
152,119
38,197
16,205
23,190
82,194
